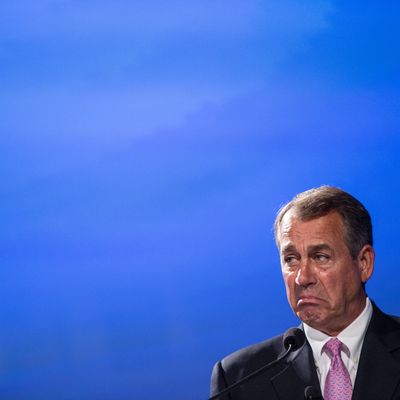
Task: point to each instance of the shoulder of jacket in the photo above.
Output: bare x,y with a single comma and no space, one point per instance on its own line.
258,353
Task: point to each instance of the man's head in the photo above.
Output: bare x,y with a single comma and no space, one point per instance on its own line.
318,202
324,237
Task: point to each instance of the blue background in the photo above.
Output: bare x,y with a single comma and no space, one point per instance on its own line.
145,147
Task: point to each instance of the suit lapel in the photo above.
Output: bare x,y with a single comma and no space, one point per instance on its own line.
299,373
378,372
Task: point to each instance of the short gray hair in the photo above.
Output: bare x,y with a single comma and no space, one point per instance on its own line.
318,202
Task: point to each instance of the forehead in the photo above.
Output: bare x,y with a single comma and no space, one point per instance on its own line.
328,228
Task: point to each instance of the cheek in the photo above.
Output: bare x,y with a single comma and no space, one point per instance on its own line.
289,280
334,286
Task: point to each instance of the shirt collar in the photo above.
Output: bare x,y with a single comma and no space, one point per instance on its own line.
352,336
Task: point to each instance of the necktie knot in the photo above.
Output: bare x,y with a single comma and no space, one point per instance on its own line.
333,347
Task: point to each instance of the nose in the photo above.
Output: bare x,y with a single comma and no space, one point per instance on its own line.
305,274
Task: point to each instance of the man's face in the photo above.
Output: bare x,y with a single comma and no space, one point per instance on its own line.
323,282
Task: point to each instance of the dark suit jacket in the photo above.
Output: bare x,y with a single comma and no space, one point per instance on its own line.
378,374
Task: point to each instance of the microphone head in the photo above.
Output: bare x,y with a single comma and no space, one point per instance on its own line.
294,337
310,393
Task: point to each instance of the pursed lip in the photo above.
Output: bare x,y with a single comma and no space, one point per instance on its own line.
308,300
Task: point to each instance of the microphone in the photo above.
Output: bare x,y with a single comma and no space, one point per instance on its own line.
310,393
293,339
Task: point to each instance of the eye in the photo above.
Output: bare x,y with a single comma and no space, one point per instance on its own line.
321,258
291,259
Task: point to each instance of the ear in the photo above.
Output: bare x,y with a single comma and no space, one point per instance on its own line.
366,258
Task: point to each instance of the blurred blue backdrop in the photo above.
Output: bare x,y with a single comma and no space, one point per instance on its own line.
145,147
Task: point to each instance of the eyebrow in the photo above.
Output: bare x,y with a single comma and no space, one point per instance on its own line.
289,248
312,249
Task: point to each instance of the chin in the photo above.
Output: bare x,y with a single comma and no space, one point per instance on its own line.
310,317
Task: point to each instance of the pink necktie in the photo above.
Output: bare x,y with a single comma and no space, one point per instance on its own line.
338,382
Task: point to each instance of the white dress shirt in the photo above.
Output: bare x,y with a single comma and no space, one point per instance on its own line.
352,337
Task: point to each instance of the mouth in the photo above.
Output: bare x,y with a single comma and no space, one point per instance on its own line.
308,301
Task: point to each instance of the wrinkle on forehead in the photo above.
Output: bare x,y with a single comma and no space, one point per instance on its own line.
328,226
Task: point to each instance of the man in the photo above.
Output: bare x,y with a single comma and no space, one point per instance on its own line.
352,349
